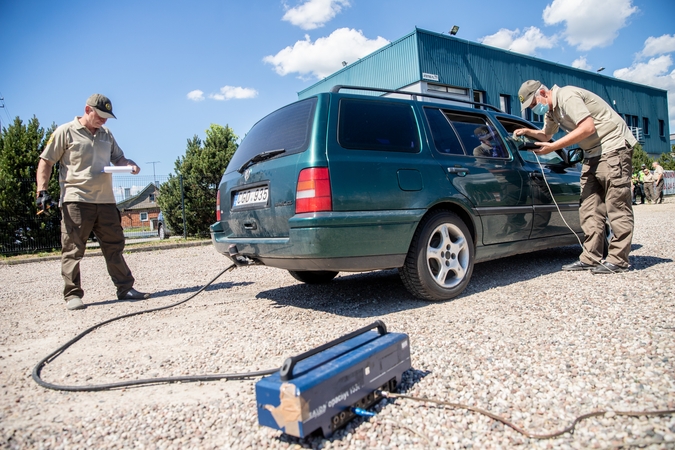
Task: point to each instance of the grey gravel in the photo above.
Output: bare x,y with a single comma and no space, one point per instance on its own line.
526,341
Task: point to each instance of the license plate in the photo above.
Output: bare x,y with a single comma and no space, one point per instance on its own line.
251,197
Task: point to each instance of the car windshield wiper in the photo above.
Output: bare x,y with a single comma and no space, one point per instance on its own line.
260,157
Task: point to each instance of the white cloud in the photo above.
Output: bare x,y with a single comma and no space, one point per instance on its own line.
589,23
314,13
581,63
196,95
655,72
325,55
527,42
234,92
658,46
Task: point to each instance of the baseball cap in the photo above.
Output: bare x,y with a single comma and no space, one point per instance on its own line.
102,105
526,93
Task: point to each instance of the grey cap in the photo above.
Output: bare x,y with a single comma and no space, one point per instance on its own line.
526,93
102,105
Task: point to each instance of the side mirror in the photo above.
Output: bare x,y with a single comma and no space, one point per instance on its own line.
572,156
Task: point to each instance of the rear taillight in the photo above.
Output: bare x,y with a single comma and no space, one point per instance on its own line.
218,206
313,192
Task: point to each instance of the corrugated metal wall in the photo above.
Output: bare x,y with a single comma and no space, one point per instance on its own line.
496,72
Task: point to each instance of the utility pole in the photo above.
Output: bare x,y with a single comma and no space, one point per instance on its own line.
154,177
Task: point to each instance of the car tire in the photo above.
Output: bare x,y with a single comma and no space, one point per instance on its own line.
313,276
440,261
161,232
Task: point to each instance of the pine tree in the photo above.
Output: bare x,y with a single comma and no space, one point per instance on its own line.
201,168
20,227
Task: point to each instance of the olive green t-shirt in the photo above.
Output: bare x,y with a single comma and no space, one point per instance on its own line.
571,105
82,157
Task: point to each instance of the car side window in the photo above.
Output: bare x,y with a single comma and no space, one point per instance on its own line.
445,138
377,125
478,136
510,126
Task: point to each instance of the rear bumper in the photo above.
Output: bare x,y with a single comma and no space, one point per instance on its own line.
335,241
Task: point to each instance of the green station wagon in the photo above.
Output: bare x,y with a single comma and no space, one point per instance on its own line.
350,181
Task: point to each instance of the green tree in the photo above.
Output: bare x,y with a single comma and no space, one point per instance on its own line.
201,170
640,157
20,227
667,161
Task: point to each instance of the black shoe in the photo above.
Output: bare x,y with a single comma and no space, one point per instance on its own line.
133,294
610,268
578,266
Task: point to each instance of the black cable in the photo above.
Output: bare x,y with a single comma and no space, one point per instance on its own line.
148,381
569,429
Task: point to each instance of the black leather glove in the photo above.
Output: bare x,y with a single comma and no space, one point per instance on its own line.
43,200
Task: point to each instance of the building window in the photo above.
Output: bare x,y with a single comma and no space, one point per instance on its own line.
448,89
645,126
479,97
144,217
151,197
662,128
526,114
505,103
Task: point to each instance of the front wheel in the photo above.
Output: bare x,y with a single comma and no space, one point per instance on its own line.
313,276
440,260
161,232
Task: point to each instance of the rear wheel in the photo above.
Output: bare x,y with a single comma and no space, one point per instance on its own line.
440,261
161,232
313,276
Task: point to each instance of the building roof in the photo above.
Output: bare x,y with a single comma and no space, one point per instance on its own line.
140,200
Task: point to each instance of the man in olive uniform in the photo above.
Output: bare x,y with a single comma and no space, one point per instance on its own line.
83,148
648,179
606,174
658,182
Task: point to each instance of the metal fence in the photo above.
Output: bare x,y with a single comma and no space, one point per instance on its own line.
22,230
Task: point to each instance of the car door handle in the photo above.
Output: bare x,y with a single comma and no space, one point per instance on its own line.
461,171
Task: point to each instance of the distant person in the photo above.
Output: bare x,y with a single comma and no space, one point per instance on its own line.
606,173
658,182
83,148
648,179
489,146
635,188
641,178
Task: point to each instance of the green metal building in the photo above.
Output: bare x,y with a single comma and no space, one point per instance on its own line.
428,62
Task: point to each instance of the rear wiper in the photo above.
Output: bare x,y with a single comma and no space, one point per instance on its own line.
260,157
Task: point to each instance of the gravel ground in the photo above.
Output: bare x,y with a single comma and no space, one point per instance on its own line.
525,341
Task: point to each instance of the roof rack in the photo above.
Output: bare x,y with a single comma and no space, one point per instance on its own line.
413,95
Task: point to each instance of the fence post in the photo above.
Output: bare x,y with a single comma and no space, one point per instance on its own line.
182,206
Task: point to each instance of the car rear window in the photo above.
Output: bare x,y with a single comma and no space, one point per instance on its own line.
288,128
377,125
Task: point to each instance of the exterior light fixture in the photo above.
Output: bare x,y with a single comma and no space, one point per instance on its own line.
344,63
600,69
454,30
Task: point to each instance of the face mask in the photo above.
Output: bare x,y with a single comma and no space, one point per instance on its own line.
540,109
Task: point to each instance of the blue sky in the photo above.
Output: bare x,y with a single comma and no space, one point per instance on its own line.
171,68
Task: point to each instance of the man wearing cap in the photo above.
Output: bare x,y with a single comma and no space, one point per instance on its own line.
658,182
648,179
606,174
83,148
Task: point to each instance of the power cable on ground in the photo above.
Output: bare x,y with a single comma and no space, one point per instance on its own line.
149,381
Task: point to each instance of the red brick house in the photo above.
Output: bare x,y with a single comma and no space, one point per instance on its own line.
141,210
